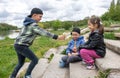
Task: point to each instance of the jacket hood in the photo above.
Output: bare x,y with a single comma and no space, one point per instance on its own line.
28,21
80,38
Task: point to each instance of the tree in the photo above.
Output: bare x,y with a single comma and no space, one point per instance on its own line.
56,24
105,16
47,25
112,10
66,25
117,11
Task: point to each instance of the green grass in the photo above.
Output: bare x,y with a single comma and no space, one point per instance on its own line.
51,57
60,32
110,22
103,74
109,35
64,52
8,57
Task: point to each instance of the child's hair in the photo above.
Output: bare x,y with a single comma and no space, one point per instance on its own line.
96,20
75,29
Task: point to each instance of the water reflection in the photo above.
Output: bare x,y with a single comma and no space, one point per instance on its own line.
2,38
10,34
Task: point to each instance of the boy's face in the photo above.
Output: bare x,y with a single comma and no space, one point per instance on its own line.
37,17
75,35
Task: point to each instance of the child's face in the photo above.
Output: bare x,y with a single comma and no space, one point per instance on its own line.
75,35
91,26
37,17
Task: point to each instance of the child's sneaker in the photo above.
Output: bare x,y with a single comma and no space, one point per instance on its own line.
61,64
29,76
91,67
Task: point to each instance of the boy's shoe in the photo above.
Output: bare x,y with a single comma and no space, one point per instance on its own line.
29,76
84,63
61,64
91,67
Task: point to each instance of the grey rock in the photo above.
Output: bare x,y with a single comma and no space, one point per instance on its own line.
78,70
110,61
113,45
40,68
53,70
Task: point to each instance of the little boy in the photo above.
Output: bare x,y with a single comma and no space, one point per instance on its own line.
71,51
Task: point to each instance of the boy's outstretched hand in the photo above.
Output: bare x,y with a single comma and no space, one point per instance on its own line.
61,37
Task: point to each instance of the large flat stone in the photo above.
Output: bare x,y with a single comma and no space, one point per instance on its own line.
117,35
85,30
114,74
106,29
40,68
37,71
110,61
49,52
77,70
114,45
54,51
23,69
53,70
115,25
61,49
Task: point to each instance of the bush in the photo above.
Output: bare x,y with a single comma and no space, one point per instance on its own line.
109,35
106,23
103,74
67,25
56,25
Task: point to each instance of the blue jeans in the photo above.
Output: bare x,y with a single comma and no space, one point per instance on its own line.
23,52
70,59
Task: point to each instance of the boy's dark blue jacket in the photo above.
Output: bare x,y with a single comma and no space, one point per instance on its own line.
79,41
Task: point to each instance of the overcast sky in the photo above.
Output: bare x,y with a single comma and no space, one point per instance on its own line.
14,11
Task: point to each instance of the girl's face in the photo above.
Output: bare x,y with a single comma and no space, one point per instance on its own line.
91,26
37,17
75,35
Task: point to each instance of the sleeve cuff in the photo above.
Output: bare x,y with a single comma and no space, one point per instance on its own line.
55,36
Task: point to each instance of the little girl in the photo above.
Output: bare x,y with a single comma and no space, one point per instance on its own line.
72,49
95,46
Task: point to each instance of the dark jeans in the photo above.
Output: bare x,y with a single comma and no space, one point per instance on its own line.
23,52
70,59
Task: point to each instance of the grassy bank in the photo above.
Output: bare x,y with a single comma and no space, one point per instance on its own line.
8,58
6,27
111,35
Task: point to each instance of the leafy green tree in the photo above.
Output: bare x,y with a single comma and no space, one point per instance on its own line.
56,24
113,13
67,25
112,10
105,16
117,11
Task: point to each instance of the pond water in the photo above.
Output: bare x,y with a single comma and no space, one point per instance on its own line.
12,34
